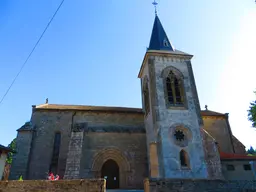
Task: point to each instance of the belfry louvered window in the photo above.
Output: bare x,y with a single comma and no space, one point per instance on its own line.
174,89
55,153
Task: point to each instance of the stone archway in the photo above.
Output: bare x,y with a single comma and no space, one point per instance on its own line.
110,172
117,156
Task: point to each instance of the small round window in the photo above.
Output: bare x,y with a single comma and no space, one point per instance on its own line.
181,136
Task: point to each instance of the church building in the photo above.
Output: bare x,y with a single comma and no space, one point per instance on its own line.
169,137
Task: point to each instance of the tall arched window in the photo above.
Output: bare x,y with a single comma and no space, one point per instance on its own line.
174,89
184,159
55,153
146,98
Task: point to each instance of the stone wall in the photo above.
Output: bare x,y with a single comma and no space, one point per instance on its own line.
238,146
239,172
74,155
121,132
149,119
21,157
117,136
212,157
127,150
93,185
189,185
217,127
169,118
3,157
46,124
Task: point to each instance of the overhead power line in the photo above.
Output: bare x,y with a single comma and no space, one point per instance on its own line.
23,65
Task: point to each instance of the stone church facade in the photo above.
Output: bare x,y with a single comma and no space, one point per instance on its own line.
170,137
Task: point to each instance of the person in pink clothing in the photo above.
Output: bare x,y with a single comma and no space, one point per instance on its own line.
57,177
51,177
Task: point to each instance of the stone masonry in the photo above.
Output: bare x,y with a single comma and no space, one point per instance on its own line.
85,136
23,152
195,185
102,130
92,185
75,152
163,119
212,156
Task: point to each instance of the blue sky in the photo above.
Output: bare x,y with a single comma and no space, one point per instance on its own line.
92,52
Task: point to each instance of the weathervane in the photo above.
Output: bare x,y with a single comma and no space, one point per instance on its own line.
155,4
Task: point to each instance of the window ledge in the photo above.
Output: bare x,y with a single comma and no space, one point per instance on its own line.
185,168
176,107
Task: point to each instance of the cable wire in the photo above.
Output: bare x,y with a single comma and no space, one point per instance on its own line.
23,65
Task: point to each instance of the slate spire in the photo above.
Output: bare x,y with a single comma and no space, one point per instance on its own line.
159,39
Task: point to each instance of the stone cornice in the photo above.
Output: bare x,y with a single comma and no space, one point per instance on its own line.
165,56
114,129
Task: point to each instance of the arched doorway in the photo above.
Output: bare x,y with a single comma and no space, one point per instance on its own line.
119,158
110,172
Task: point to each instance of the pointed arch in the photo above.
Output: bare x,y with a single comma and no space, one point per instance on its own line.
113,154
174,86
146,95
184,159
167,70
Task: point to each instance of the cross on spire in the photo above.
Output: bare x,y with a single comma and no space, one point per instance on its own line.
155,4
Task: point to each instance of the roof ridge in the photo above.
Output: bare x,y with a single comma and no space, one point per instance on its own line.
207,133
8,149
42,105
118,108
212,112
96,106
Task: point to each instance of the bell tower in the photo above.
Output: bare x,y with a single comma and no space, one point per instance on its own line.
172,119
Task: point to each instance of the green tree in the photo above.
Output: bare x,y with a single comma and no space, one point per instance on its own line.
251,151
12,145
252,113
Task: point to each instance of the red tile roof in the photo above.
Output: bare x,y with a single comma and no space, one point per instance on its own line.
211,113
6,149
234,156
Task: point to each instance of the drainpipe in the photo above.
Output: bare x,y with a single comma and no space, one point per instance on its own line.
230,132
